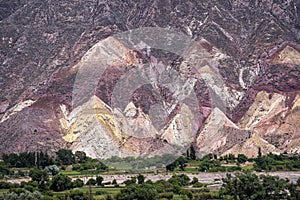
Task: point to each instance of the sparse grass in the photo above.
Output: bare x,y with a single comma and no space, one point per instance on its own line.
70,173
188,170
107,190
119,165
194,162
248,167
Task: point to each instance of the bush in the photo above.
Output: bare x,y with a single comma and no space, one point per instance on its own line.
140,192
38,175
29,188
60,182
181,180
52,170
242,158
65,157
91,181
187,193
20,194
5,185
198,185
166,195
203,196
195,180
140,178
77,183
101,192
78,195
99,180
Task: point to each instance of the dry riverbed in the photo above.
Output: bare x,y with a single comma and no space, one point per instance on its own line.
204,177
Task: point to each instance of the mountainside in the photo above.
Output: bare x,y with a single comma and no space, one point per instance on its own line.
145,78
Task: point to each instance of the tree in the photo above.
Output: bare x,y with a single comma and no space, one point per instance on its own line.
4,169
60,182
52,170
140,192
171,167
80,156
140,179
38,175
242,158
195,180
192,153
250,186
101,166
181,162
181,180
205,165
188,153
77,183
130,181
78,195
28,159
99,180
91,181
114,182
186,193
65,157
259,152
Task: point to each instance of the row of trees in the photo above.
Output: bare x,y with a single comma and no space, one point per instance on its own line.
28,159
41,160
213,163
272,162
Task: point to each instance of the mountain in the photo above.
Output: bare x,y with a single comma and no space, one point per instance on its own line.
127,78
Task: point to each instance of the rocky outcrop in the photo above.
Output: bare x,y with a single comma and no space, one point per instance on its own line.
219,134
69,78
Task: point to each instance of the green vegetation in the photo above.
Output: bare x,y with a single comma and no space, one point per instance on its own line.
180,162
272,162
53,181
141,192
60,182
139,164
231,163
65,157
40,176
28,159
250,186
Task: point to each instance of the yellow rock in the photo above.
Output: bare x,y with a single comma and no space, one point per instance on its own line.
288,55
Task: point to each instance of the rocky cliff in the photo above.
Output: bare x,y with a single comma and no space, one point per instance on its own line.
150,77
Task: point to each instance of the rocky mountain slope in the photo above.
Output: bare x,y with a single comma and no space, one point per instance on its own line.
87,75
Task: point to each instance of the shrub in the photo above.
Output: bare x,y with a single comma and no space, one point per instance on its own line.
198,185
60,182
141,192
166,195
99,180
101,192
5,185
91,181
78,195
77,183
